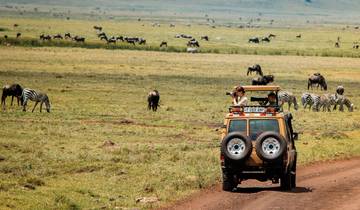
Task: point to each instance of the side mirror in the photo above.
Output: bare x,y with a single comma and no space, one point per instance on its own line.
295,136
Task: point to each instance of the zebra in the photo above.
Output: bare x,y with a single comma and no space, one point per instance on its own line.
328,100
287,97
312,100
32,95
344,101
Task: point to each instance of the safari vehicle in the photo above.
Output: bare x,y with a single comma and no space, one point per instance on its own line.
258,143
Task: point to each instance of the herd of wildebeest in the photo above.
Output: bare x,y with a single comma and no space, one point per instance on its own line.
192,43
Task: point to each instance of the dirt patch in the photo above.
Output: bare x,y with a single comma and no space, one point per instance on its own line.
334,135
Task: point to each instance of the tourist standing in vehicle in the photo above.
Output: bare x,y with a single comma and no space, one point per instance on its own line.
239,98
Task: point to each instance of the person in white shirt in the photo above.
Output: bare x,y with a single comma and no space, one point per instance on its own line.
239,98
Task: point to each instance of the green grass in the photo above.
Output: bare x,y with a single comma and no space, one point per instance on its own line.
57,160
315,41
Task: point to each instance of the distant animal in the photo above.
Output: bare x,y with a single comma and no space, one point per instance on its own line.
265,39
254,40
340,90
356,45
163,43
57,36
337,45
172,25
45,37
121,38
153,100
255,68
272,36
79,39
318,79
345,101
287,97
312,100
5,36
193,43
142,41
101,34
16,25
263,80
206,38
37,97
67,36
98,28
298,36
14,90
111,40
18,35
104,38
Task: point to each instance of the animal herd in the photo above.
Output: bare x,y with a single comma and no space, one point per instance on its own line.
310,100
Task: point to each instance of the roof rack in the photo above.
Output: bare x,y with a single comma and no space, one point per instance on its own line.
261,88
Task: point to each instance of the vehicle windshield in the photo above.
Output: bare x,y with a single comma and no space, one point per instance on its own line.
258,126
238,126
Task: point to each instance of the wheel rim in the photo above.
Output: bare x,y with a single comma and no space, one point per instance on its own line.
236,147
271,147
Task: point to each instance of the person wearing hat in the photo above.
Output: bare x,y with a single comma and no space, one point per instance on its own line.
239,98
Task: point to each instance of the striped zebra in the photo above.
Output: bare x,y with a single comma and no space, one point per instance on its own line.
312,100
287,97
328,100
32,95
344,101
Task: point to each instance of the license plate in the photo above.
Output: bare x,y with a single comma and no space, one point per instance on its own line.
254,109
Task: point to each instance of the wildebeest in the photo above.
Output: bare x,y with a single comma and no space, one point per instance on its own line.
206,38
57,36
318,79
98,28
111,40
265,39
163,43
18,35
45,37
193,43
79,39
263,80
298,36
337,45
153,100
142,41
67,36
356,45
121,38
14,90
172,25
5,36
101,34
256,68
254,40
183,36
16,25
340,90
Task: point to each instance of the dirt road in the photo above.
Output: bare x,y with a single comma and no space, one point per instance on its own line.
331,185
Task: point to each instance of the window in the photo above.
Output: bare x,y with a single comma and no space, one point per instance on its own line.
237,125
259,126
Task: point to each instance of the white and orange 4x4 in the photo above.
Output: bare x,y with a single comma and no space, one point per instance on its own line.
258,143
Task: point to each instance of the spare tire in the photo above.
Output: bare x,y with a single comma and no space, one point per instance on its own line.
236,146
270,146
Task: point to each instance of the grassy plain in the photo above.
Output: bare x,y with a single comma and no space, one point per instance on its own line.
58,160
315,41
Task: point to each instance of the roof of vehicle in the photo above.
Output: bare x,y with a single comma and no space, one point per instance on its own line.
261,88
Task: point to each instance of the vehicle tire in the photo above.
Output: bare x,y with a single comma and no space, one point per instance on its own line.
270,146
228,183
286,181
236,146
